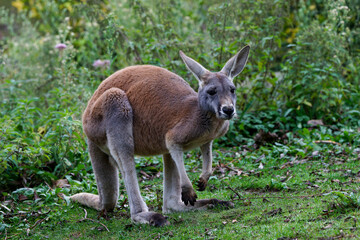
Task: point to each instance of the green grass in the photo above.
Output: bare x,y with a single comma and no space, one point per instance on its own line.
308,198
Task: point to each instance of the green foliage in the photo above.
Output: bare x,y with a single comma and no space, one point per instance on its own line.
49,14
38,144
318,75
40,201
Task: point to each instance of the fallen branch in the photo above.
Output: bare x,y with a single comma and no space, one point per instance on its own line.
27,230
37,223
245,198
159,235
92,220
85,213
229,168
237,194
60,195
327,141
5,207
288,197
34,226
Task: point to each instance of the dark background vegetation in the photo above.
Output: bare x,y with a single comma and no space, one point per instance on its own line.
304,65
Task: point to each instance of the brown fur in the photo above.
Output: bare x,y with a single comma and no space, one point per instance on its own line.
151,123
147,110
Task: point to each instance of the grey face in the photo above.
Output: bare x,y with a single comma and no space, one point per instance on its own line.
217,91
218,95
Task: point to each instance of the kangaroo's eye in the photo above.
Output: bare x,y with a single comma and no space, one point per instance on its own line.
211,92
232,90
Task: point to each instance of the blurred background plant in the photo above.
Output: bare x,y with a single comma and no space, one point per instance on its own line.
304,64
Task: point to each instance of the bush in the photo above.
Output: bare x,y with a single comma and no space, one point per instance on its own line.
38,144
317,79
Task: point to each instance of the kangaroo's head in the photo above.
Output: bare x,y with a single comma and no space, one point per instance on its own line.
216,89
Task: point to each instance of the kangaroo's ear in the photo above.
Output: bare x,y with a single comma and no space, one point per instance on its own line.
237,63
193,66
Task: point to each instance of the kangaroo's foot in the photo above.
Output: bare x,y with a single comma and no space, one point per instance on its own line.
151,218
188,195
201,184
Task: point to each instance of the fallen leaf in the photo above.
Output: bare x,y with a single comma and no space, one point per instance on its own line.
327,226
36,196
260,158
247,203
145,174
23,197
220,169
61,183
274,212
315,122
315,153
261,166
309,183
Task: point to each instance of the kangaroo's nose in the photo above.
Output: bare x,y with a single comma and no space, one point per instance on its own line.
228,110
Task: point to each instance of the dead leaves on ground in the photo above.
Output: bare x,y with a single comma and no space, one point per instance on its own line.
273,212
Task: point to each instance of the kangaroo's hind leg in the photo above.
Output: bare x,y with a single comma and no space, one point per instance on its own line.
118,119
172,191
107,179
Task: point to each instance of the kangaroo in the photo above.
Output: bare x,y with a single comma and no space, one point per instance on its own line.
147,110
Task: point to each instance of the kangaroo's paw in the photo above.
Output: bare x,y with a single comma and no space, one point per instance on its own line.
201,184
151,218
188,195
103,214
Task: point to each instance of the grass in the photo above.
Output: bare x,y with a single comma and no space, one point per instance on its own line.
284,197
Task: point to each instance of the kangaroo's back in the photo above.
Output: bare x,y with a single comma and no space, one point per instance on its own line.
133,78
159,100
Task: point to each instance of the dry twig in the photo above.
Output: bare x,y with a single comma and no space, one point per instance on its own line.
327,141
237,194
92,220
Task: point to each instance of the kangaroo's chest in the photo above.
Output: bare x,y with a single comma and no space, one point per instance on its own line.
207,135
